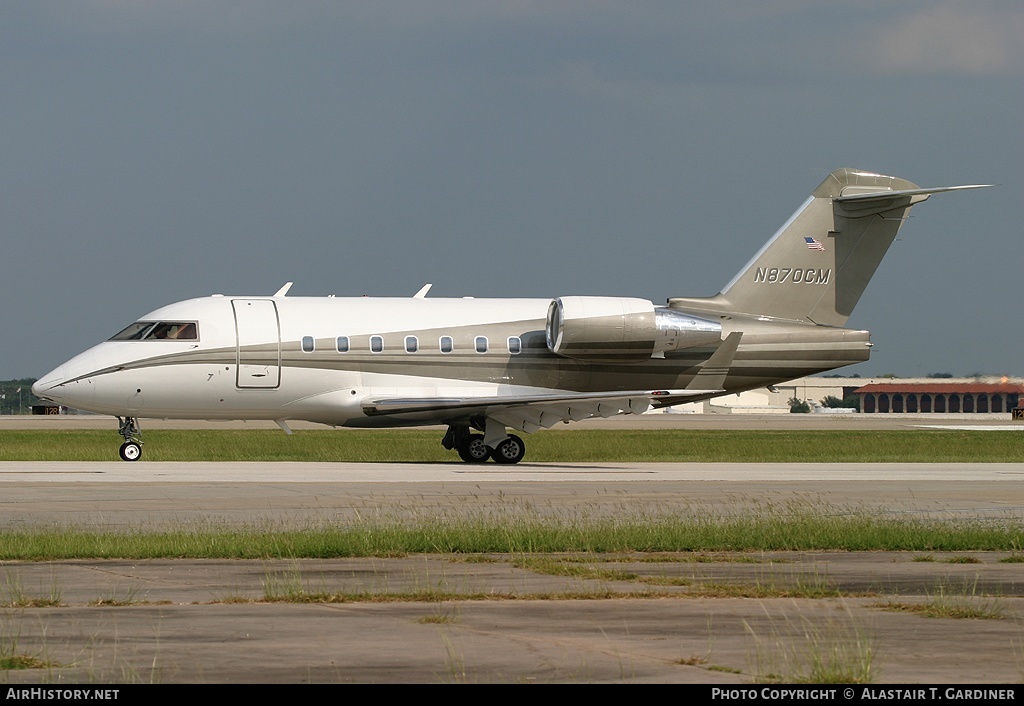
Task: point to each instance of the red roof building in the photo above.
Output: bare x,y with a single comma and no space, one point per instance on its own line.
939,397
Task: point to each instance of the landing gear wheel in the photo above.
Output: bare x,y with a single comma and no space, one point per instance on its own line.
473,449
511,450
130,451
128,428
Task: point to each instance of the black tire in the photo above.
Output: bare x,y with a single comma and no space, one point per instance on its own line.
130,451
474,450
510,451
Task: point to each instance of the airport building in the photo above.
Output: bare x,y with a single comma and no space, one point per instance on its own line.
937,398
993,395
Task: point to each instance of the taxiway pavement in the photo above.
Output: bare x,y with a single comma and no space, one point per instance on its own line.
496,618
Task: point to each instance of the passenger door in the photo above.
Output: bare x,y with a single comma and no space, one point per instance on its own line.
258,343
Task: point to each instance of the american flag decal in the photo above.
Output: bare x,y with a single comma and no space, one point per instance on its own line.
813,244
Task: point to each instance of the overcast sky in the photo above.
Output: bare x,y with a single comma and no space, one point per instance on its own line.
156,151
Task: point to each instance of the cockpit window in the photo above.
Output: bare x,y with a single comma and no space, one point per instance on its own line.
157,330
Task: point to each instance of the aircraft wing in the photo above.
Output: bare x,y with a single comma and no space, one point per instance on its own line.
530,413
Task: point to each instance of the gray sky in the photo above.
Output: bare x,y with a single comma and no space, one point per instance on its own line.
155,151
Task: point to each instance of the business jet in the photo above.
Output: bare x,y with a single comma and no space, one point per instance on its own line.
482,366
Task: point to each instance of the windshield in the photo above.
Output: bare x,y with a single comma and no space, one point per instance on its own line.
158,330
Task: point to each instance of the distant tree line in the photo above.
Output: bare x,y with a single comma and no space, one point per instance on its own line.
16,396
799,406
851,402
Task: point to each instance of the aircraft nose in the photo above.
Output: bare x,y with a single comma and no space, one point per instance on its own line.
49,386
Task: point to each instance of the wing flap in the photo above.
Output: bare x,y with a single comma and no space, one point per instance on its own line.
530,413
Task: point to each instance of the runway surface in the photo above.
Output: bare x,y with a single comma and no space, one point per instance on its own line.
499,618
296,495
457,472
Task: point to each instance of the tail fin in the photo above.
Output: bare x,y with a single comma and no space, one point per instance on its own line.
816,266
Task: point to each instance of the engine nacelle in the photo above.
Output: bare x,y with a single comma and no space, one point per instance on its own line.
622,329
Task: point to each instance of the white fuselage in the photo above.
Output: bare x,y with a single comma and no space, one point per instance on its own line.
326,359
252,358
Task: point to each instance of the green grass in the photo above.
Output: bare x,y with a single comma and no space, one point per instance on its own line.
524,531
963,560
726,670
11,656
957,603
438,595
830,649
127,597
581,445
22,662
801,587
836,651
804,586
14,595
556,567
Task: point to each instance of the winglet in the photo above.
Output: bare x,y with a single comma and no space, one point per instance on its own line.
422,294
283,291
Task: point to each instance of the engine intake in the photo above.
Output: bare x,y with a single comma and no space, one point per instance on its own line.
622,329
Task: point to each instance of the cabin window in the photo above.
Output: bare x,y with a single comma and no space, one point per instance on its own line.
481,344
412,344
376,344
308,344
343,344
158,330
446,344
515,345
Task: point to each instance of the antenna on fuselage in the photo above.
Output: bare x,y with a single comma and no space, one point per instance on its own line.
283,291
422,294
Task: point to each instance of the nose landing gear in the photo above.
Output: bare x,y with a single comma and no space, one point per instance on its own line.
131,449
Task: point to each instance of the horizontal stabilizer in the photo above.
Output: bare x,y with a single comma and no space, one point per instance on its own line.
876,195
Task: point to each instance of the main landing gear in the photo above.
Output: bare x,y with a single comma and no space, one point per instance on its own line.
131,449
509,451
472,448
